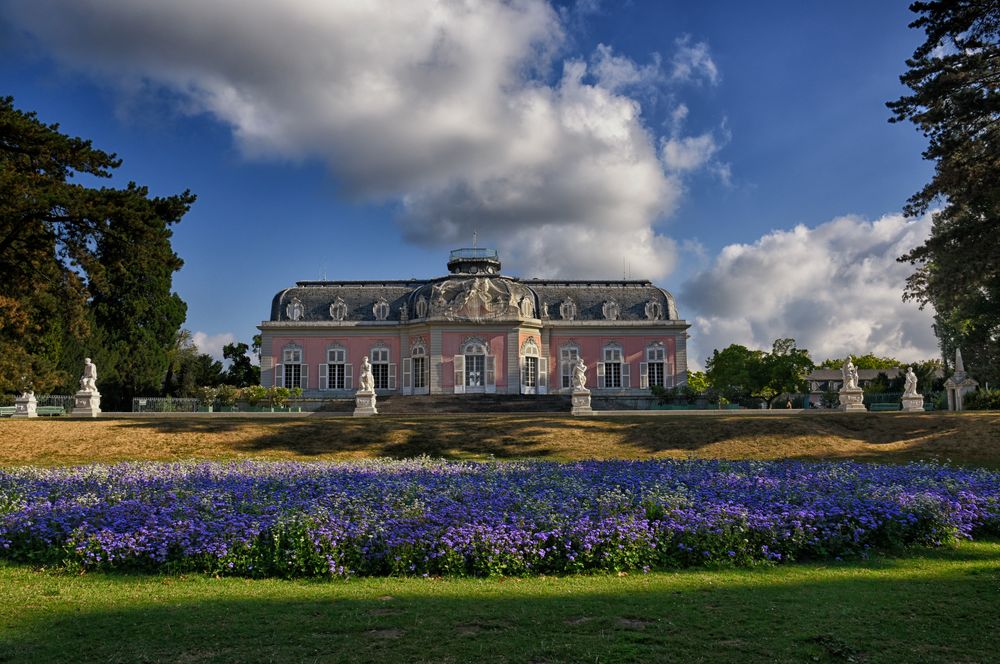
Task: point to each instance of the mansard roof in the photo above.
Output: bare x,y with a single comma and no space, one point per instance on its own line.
474,294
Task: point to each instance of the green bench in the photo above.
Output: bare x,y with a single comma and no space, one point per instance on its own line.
877,407
50,411
47,411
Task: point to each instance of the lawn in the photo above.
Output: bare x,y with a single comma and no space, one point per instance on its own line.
961,438
920,605
924,606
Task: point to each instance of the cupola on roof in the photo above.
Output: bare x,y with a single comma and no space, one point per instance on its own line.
473,260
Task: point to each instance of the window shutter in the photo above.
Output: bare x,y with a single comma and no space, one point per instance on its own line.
392,375
626,382
324,376
305,377
460,374
668,378
348,376
279,375
491,374
522,373
407,372
643,375
600,375
543,375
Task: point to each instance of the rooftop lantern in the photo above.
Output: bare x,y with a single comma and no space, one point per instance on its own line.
473,260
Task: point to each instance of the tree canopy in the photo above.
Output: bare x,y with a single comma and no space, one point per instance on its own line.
84,271
954,77
867,361
738,372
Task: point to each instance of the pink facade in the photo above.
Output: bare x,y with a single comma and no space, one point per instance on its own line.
469,332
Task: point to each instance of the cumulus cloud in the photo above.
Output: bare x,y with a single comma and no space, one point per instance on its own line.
467,113
835,288
211,344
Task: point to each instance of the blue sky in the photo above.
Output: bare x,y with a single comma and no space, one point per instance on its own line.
738,154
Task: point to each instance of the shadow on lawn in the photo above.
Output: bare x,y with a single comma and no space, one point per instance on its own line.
884,612
973,439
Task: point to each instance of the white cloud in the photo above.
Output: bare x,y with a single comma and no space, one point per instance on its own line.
835,288
616,73
688,153
693,62
444,106
211,344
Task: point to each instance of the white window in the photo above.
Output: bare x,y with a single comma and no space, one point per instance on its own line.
654,311
383,371
652,372
421,307
381,309
334,375
415,370
291,373
527,307
419,355
475,369
295,310
568,356
613,372
533,368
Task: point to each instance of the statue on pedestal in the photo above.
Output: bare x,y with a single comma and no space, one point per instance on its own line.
87,402
26,405
851,396
364,399
581,395
912,402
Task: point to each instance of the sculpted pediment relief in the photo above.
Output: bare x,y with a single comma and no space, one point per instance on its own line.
477,298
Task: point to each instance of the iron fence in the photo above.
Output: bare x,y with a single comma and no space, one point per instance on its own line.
164,405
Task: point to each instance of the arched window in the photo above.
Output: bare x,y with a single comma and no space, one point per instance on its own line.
475,368
613,372
381,309
415,369
295,310
567,310
654,310
568,355
421,307
292,372
611,310
335,373
527,307
534,368
338,310
653,370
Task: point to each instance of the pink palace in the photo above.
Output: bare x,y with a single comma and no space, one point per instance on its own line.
474,331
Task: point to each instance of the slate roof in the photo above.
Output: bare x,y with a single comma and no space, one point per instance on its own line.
360,297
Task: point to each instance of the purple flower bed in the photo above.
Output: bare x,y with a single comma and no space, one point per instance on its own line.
430,517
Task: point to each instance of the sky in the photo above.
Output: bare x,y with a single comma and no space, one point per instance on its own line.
737,154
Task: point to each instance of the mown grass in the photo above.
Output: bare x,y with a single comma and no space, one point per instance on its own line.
963,438
925,606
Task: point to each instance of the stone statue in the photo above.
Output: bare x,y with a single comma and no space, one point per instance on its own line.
367,381
850,375
910,388
88,383
364,399
579,375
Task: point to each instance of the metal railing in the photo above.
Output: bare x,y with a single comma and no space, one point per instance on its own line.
164,405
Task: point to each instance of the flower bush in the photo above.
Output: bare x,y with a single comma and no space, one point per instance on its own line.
433,517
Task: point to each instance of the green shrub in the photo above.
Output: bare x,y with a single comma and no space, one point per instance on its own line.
227,395
983,400
254,394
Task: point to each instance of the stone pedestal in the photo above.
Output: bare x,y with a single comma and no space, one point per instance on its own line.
25,405
852,400
86,404
364,404
581,403
913,404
